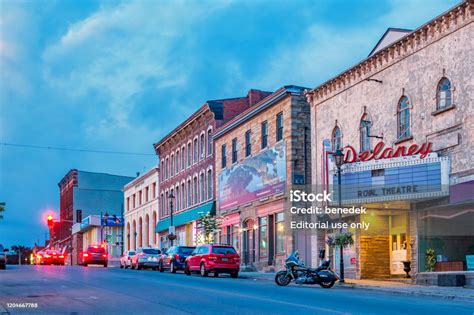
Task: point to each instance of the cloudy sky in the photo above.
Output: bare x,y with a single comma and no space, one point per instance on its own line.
117,76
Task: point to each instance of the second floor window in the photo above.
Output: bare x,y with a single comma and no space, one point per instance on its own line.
234,150
443,94
364,130
337,138
195,149
279,127
209,184
403,117
209,142
248,143
189,154
202,147
264,134
223,156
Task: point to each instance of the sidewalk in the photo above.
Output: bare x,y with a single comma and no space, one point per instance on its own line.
386,286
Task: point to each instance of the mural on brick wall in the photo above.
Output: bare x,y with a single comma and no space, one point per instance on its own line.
256,177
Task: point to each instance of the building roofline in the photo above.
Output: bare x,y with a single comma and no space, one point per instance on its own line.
327,82
402,30
141,177
257,108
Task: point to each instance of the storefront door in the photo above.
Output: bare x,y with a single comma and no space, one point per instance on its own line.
398,242
249,242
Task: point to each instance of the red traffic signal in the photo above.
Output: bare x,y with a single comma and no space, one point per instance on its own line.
50,220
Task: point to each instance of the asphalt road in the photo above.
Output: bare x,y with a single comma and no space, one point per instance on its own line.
96,290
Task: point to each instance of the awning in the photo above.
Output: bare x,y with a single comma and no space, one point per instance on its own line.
186,216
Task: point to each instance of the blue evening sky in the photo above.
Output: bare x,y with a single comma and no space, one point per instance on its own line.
116,75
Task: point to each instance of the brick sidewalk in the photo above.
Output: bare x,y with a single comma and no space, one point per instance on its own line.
387,286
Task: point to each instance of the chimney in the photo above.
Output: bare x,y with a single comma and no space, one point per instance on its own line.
255,96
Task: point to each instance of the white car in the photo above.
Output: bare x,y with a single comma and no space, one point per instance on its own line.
126,259
146,257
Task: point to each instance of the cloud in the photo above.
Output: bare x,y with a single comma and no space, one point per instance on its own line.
325,50
116,52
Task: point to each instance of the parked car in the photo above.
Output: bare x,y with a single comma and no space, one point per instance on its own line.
3,257
175,258
146,257
95,254
213,258
52,257
126,259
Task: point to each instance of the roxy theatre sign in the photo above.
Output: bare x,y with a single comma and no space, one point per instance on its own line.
381,152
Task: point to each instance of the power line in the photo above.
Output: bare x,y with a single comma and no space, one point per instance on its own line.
31,146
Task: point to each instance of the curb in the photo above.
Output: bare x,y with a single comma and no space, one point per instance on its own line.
384,289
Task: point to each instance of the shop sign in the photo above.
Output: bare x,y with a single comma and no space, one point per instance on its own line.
381,152
470,262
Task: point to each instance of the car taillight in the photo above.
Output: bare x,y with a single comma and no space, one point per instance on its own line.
86,255
176,256
47,256
105,255
61,256
237,259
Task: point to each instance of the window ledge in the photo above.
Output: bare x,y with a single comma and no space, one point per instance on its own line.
442,110
404,140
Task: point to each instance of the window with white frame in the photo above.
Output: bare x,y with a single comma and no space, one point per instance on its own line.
443,94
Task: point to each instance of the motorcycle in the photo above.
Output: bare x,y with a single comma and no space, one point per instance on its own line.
296,271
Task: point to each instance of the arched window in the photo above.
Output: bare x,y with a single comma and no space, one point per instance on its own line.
364,132
209,184
443,94
403,116
337,138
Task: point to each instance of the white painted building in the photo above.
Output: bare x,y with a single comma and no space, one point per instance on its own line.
141,210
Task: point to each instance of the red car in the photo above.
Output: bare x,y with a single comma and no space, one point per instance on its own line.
213,258
95,254
52,257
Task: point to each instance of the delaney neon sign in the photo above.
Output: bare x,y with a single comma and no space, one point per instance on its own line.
381,152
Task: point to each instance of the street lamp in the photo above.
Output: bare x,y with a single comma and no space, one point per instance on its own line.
339,160
171,236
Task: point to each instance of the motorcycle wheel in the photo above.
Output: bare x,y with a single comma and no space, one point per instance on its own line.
282,279
327,284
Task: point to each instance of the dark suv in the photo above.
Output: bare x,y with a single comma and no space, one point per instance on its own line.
174,258
95,254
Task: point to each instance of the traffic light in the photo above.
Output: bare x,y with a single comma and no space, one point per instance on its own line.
50,221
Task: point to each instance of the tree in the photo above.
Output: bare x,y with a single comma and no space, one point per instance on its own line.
211,225
2,209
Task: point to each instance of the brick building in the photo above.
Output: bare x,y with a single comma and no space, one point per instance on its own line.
186,157
141,210
404,119
83,194
262,154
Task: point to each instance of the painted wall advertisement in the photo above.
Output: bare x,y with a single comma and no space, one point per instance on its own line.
256,177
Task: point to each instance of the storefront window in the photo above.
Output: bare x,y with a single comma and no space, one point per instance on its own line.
280,233
263,238
447,234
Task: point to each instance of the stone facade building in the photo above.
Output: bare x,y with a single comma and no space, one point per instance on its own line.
414,95
141,210
262,154
186,157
